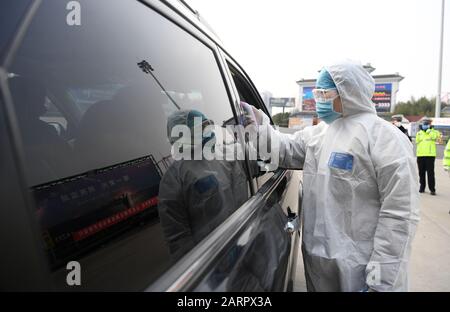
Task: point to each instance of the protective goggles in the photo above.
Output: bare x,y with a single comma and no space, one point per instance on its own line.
197,130
206,123
325,95
201,126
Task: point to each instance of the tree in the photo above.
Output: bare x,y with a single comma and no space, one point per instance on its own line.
281,119
418,107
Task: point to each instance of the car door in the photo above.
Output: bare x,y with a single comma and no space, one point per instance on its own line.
251,251
23,266
288,189
104,190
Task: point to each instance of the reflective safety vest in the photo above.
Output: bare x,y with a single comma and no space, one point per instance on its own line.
426,142
447,155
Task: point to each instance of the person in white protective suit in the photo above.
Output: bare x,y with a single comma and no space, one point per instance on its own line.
360,187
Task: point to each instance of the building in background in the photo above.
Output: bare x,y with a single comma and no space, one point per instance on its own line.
300,120
384,98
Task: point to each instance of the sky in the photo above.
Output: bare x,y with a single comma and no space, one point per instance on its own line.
278,42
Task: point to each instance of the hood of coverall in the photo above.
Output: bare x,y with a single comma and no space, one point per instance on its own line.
188,118
355,86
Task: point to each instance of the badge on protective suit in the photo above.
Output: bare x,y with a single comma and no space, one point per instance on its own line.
341,161
205,184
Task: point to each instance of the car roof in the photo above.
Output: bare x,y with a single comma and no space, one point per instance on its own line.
194,17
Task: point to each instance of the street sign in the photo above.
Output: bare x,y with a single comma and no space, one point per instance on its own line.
282,102
382,97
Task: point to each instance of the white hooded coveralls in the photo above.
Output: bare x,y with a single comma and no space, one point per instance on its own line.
360,194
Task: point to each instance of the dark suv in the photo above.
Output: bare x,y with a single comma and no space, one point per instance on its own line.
91,196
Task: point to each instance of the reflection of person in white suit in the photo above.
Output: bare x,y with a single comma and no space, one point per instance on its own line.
195,196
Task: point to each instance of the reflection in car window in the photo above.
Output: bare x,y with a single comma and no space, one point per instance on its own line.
11,13
86,97
195,196
53,116
110,195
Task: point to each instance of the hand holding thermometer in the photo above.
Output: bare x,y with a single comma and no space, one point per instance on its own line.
249,116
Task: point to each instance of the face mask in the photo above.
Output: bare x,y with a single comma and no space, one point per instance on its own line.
326,112
425,127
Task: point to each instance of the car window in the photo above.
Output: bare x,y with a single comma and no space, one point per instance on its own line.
110,195
247,95
244,90
85,97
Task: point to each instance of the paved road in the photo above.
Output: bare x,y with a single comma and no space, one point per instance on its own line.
430,257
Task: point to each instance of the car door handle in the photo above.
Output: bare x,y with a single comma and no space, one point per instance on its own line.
292,225
293,222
